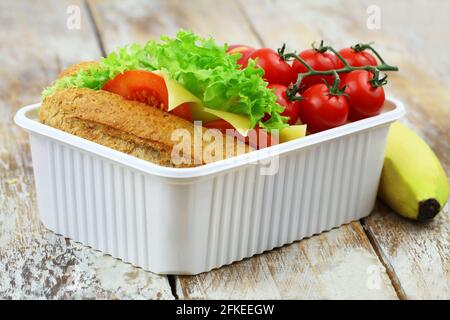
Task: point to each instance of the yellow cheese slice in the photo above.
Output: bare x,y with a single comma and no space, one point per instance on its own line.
199,113
178,95
240,122
292,132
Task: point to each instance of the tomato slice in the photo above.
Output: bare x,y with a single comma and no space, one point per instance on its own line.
220,124
142,86
146,87
262,135
183,111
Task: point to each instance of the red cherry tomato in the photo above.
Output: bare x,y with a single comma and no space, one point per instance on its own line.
320,110
356,58
291,108
146,87
364,100
276,70
320,61
261,135
245,52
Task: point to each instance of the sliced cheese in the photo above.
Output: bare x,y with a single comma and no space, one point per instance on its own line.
199,113
240,122
292,132
178,95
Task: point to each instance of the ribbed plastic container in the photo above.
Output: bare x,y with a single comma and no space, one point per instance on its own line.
187,221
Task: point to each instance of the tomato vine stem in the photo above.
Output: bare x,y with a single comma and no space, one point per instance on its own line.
365,46
376,81
335,89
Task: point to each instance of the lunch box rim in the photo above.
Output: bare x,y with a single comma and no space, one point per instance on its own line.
23,119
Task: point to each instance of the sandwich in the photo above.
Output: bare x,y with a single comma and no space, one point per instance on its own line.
139,98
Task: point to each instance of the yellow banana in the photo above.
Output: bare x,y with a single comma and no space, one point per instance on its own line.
413,181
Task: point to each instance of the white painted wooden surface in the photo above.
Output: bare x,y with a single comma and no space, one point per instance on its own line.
417,254
385,257
35,263
339,264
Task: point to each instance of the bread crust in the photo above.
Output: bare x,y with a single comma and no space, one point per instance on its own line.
128,126
77,66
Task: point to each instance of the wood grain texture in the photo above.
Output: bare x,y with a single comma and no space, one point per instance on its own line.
339,264
417,255
418,252
47,266
320,267
403,39
34,263
124,22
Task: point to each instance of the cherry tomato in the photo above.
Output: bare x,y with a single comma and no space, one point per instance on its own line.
364,100
320,61
320,110
291,108
146,87
276,70
245,52
261,135
356,58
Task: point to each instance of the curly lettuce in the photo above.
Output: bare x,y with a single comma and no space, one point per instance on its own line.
200,65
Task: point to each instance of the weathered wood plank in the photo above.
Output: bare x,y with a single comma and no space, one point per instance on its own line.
47,266
320,267
339,264
124,22
417,254
346,27
422,82
35,263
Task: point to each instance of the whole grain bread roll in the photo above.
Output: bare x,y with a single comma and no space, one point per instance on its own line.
131,127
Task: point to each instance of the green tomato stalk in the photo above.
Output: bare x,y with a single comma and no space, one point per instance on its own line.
376,81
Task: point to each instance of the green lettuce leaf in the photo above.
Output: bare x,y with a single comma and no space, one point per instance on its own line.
200,65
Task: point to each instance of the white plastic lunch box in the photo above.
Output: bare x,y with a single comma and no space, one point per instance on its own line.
191,220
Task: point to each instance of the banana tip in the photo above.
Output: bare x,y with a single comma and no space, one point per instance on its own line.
428,209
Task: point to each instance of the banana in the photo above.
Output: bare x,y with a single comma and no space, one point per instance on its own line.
413,182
